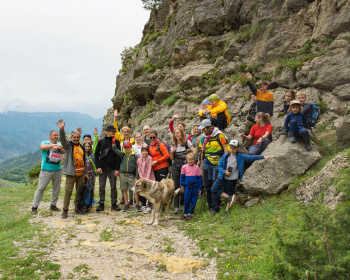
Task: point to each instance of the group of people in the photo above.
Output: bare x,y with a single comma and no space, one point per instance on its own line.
205,161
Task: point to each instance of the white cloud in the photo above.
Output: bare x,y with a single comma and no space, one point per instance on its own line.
64,50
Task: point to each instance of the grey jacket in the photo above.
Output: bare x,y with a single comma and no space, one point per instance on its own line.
69,165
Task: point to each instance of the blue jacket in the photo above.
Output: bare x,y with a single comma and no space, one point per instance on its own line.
240,163
299,117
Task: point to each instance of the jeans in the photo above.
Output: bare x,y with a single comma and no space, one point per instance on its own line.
112,181
299,131
210,173
229,189
44,179
258,149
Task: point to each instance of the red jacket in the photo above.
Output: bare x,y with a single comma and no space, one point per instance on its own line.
157,156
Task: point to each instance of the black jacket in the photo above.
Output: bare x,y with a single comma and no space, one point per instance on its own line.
111,161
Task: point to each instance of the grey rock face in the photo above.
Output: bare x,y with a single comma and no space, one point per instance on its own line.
321,188
272,176
343,134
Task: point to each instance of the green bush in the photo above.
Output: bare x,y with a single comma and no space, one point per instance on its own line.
323,106
34,172
141,117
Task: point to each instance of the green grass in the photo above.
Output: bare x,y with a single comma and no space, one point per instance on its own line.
16,227
141,117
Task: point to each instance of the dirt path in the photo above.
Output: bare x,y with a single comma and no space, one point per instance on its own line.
120,245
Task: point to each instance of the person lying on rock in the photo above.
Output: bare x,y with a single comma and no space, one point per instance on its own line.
261,132
179,125
217,110
230,171
264,98
295,124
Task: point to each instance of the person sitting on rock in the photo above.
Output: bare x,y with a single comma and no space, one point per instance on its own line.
217,110
250,122
179,125
295,124
289,96
230,168
261,132
264,98
306,108
205,104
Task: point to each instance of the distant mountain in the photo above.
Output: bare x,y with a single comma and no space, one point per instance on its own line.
26,161
22,133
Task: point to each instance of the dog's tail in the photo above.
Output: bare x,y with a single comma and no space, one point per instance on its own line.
177,191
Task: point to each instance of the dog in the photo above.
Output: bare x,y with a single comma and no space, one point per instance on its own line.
158,193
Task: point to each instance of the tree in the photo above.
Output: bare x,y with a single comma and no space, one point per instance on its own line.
151,5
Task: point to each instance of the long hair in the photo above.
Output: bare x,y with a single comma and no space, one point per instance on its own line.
182,140
265,116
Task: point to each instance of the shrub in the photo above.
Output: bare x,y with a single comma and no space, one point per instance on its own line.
141,117
323,106
34,172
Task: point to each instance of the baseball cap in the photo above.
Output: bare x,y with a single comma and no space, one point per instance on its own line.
205,123
295,102
127,144
234,143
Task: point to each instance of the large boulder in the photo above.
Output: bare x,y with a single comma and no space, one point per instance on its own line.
343,134
321,187
287,160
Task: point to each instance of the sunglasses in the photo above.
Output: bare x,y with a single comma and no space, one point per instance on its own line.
152,137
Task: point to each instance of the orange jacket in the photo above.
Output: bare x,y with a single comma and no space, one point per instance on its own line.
220,107
156,155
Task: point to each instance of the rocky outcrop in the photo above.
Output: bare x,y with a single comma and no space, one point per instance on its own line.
343,134
287,160
322,187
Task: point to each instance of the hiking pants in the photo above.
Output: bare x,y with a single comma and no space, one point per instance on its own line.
112,181
228,185
221,121
44,179
210,173
258,149
68,189
190,201
161,174
299,131
180,196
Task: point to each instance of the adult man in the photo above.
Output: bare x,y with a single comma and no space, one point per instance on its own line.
107,164
146,131
213,145
51,155
73,168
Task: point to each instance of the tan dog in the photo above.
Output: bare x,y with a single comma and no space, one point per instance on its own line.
158,193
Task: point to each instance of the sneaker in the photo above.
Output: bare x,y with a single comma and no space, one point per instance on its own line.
189,217
147,210
213,213
138,208
176,210
126,207
183,217
230,200
64,214
226,212
34,210
182,208
54,208
115,207
101,207
308,147
78,211
131,202
122,200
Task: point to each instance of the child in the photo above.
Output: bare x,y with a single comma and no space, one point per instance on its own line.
306,107
230,171
128,172
295,123
205,104
90,163
289,96
145,169
264,98
218,111
191,185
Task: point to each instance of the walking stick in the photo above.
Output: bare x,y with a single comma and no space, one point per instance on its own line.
203,203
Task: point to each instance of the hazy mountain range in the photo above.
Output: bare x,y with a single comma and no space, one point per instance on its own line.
22,133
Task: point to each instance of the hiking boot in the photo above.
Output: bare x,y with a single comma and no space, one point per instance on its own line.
213,213
101,207
34,210
131,202
189,217
138,208
54,208
294,138
230,200
78,211
225,214
122,201
64,214
183,217
115,207
176,210
126,207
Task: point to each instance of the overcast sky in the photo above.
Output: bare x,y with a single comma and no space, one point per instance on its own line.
64,55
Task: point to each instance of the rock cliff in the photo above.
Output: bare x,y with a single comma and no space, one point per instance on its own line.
191,49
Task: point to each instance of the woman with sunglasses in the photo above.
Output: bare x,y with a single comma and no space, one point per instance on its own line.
159,153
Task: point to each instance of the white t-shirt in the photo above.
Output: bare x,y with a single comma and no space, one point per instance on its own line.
231,161
137,148
180,149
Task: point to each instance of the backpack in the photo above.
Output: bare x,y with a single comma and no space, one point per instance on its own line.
169,161
86,196
313,115
181,160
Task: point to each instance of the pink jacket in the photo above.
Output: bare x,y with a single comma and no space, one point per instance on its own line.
145,168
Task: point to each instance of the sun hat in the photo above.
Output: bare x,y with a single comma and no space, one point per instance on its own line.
295,102
111,128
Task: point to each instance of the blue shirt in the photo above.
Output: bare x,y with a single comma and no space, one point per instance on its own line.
46,163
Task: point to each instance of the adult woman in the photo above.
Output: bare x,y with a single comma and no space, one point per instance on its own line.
139,144
160,155
196,132
178,155
126,137
180,125
261,132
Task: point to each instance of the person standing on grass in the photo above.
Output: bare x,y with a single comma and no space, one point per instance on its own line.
51,169
74,167
264,98
230,171
107,165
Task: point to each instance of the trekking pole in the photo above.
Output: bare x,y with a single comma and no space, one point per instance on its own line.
203,203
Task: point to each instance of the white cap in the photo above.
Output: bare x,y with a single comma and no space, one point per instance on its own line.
234,143
205,123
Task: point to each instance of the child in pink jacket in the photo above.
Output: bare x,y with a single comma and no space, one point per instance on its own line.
145,169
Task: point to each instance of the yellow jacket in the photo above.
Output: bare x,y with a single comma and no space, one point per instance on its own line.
220,107
120,137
